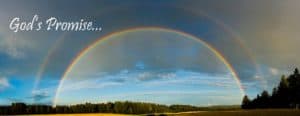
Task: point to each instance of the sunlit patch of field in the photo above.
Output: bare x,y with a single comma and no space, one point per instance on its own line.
269,112
83,114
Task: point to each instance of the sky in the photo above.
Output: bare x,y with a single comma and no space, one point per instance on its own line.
258,38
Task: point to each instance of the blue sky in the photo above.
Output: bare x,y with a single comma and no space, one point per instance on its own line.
258,38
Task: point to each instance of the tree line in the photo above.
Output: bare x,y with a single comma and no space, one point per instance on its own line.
285,95
126,107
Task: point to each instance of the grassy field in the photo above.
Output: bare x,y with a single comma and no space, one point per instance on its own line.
270,112
89,114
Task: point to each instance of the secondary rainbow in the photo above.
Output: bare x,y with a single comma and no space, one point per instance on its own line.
94,44
47,59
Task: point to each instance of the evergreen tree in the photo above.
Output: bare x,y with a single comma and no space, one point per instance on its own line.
283,93
246,102
286,95
265,99
274,98
294,85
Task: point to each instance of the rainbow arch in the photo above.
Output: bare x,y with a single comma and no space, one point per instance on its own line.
47,60
98,41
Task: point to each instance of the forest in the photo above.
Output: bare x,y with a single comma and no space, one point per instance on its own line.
286,95
126,107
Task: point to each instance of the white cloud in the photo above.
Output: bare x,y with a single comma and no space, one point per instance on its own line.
4,83
87,84
146,76
38,95
13,47
39,92
274,71
189,77
257,77
151,78
167,75
224,84
17,46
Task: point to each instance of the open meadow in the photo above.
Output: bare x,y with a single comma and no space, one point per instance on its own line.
83,114
268,112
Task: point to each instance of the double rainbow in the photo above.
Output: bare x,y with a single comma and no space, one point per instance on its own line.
111,35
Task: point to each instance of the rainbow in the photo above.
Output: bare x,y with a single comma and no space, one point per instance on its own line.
219,23
238,39
47,59
98,41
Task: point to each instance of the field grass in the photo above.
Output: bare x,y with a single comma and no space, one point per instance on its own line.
87,114
268,112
